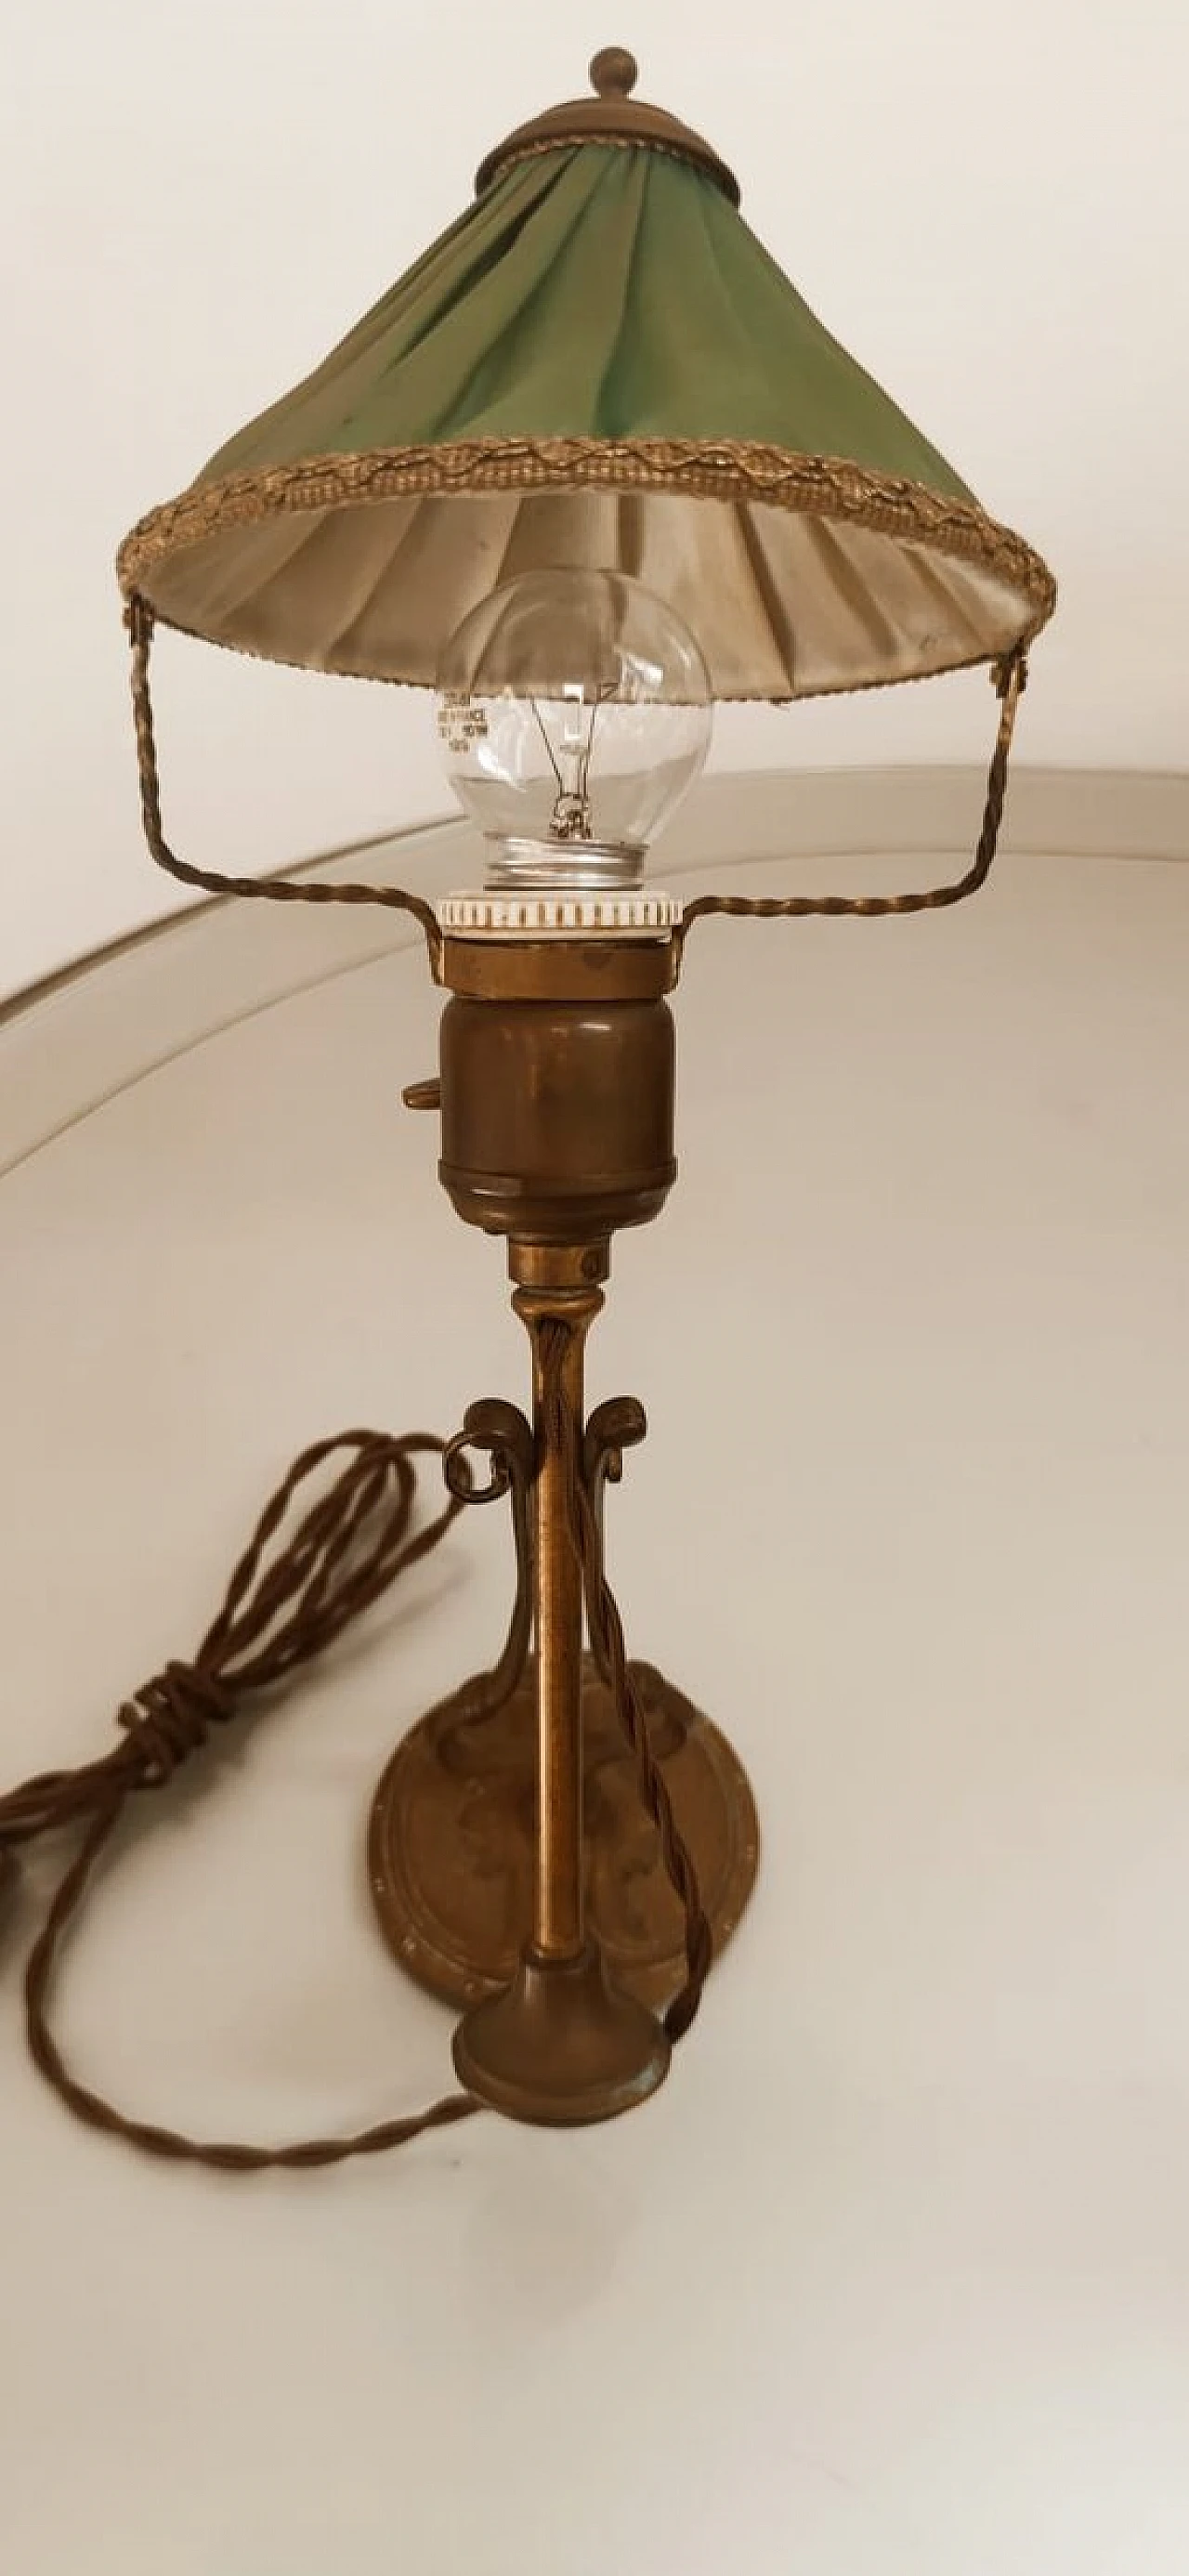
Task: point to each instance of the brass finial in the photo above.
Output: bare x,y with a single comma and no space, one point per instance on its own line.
611,116
614,73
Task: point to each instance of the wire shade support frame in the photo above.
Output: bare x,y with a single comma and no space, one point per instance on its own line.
1009,677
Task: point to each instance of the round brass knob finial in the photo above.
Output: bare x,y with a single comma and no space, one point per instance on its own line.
611,116
614,73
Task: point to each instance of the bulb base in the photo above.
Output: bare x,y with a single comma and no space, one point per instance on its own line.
516,864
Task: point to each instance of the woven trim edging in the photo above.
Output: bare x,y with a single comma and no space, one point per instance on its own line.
819,486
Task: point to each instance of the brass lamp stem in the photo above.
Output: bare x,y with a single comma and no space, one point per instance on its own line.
562,2043
558,1911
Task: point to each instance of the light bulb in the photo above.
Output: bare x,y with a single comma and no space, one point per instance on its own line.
574,709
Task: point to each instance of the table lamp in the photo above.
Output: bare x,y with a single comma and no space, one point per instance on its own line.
589,468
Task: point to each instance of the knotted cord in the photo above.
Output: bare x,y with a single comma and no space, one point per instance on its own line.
280,1610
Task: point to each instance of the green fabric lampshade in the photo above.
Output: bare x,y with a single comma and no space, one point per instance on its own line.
601,365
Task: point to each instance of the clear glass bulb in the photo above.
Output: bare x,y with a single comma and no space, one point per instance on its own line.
574,709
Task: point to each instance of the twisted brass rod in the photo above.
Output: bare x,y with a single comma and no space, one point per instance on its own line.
1010,678
138,618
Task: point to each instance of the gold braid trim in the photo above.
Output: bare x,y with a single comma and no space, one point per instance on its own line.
823,487
706,163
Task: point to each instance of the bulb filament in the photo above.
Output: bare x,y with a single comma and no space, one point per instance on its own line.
571,817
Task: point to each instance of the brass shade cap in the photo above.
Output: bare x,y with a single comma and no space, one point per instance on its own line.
611,116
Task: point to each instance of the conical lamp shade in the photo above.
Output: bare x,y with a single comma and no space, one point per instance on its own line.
601,365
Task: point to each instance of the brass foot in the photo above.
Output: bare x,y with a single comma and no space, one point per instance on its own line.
451,1843
560,2046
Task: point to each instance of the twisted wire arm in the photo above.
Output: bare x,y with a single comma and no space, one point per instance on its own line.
1010,679
138,618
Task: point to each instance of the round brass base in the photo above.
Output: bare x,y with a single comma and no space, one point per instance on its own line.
560,2046
450,1848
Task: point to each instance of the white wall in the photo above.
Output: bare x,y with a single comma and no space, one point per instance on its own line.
990,207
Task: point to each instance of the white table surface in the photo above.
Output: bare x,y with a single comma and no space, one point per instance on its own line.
892,2279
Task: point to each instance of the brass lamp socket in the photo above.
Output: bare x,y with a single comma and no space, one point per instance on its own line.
557,1075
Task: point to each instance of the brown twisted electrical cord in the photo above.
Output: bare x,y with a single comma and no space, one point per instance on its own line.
1010,678
138,618
276,1615
346,1550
